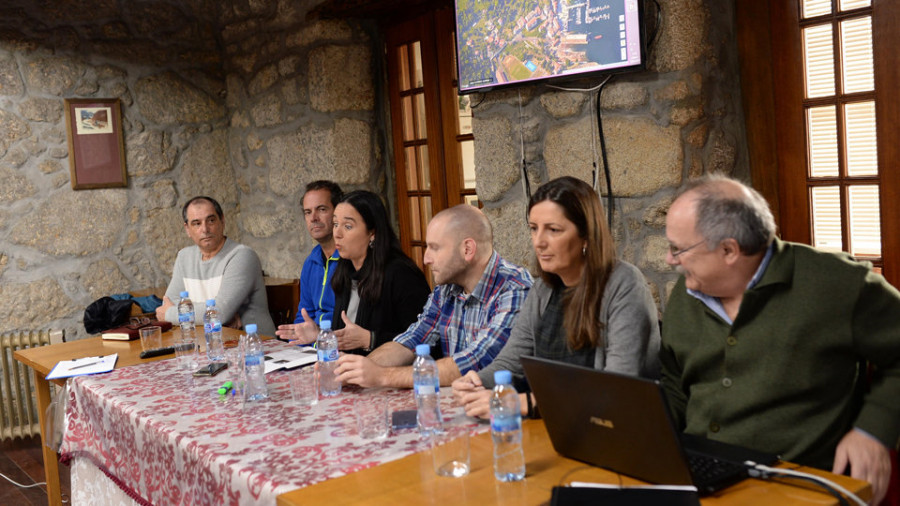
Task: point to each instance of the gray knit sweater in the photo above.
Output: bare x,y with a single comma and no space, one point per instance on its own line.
233,277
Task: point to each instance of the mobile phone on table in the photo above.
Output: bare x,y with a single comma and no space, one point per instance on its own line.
403,419
211,369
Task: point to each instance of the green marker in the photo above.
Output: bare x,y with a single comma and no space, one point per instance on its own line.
225,388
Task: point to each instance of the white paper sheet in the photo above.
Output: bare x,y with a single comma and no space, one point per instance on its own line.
82,366
290,358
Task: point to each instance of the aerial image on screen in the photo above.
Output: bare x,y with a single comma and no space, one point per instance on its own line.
508,41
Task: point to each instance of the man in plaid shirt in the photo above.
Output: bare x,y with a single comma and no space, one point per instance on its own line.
470,312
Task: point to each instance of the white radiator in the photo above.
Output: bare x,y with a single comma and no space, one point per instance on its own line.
18,405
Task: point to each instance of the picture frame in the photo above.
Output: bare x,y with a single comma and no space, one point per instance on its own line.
96,148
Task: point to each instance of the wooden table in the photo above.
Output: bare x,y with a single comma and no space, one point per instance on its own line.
411,480
42,359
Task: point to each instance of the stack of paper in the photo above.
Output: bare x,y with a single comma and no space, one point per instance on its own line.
290,358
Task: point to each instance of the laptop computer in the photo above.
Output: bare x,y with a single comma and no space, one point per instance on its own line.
622,423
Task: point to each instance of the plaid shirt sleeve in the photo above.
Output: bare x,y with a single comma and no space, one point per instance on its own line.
490,330
425,328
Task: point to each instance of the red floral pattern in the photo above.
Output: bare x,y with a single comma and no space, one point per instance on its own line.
174,440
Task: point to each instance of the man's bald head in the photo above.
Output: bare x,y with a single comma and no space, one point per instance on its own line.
465,221
458,246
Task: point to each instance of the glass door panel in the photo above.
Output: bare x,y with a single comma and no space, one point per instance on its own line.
865,221
853,4
822,138
812,8
819,50
861,139
856,55
826,212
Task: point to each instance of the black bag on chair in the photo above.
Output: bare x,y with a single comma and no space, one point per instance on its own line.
106,313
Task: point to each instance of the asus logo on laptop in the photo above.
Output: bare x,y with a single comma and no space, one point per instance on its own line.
602,422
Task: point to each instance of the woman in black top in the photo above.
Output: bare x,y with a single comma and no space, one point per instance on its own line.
378,290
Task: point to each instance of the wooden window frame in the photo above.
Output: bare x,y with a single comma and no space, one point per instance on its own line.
435,31
769,43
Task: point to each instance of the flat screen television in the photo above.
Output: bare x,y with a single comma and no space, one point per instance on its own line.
507,42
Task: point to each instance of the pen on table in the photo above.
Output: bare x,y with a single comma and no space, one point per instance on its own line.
85,365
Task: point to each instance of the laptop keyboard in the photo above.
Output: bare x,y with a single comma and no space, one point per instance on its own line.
711,473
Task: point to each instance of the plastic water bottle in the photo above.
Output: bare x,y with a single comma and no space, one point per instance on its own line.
254,367
506,429
186,316
427,387
327,347
212,329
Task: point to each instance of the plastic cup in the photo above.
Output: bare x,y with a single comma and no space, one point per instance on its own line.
304,386
235,358
450,452
372,420
186,353
151,338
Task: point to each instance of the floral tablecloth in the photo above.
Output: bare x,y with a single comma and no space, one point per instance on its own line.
166,437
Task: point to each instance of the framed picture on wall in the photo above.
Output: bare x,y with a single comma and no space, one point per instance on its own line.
96,150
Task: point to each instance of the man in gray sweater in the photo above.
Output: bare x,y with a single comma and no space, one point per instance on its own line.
217,268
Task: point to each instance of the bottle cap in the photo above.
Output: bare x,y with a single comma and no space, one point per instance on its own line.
423,350
183,294
211,302
250,328
502,377
325,324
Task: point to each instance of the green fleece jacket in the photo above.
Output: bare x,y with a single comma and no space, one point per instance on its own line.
789,376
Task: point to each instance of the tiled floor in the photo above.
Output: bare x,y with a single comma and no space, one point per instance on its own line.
22,461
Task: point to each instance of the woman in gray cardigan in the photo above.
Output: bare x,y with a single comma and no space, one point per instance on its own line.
587,308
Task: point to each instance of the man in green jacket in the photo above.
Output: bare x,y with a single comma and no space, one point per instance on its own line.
766,343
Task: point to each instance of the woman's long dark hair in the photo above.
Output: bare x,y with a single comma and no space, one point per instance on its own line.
385,247
581,303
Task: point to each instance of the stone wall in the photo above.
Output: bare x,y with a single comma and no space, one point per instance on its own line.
247,101
304,92
61,249
302,102
679,118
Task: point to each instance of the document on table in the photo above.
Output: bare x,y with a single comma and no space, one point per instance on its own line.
82,366
290,358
